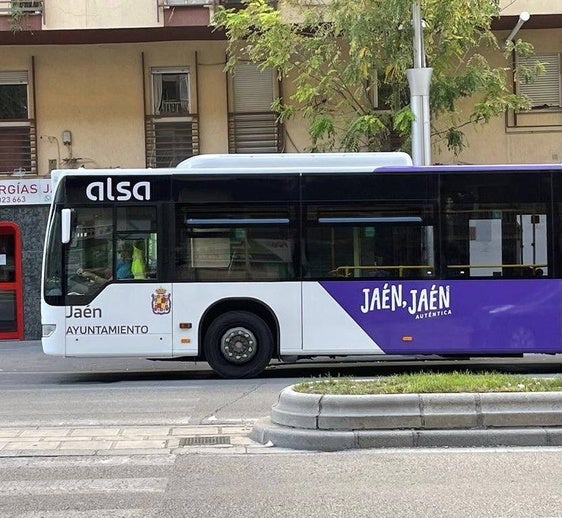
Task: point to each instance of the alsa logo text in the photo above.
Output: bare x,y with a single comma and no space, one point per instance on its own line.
121,191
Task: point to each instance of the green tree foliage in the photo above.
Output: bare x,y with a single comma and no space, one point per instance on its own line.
347,61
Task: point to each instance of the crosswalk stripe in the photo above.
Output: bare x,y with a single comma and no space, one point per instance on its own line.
96,513
85,486
107,461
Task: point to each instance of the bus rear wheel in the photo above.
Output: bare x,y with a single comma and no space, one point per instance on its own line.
238,344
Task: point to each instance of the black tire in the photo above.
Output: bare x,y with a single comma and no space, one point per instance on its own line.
238,344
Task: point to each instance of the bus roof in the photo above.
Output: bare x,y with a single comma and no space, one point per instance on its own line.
271,163
471,168
316,161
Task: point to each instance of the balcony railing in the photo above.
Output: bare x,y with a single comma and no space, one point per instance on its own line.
20,7
254,132
18,148
21,15
171,139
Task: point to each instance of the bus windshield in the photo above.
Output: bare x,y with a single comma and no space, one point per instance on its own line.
107,245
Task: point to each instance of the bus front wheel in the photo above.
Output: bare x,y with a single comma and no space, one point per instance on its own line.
238,344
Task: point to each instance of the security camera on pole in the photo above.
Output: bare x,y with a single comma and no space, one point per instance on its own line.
419,79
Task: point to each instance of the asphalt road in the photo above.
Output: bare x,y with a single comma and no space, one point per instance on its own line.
475,483
45,390
37,390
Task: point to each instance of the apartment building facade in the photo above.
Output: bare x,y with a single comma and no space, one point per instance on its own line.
141,83
536,135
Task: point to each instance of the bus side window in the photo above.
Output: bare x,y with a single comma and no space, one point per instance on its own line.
386,242
495,225
235,245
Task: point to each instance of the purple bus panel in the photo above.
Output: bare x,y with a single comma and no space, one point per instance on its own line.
455,317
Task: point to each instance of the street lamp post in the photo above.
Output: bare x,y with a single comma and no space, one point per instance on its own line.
419,79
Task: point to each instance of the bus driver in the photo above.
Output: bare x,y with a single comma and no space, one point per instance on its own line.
123,268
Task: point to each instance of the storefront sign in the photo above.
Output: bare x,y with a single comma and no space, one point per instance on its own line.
25,192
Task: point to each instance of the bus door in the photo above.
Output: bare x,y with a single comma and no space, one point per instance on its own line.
11,304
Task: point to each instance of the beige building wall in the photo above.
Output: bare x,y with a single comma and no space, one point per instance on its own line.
100,93
96,93
296,139
101,14
537,138
212,97
516,7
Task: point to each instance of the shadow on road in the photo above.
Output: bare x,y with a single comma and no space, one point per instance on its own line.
26,363
308,370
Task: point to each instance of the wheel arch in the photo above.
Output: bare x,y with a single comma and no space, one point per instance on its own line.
251,305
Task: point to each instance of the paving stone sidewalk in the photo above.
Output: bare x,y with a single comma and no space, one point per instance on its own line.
126,440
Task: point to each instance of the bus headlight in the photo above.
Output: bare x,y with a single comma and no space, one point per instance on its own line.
48,330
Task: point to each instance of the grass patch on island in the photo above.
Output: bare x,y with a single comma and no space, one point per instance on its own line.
427,382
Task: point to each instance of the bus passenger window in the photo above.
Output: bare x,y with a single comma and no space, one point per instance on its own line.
389,243
254,244
495,226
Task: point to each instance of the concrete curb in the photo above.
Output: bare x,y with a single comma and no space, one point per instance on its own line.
330,423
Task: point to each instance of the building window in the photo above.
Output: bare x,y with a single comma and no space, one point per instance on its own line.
170,91
15,125
13,101
172,129
252,124
544,91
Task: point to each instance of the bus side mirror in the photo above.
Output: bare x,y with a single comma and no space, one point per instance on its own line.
66,225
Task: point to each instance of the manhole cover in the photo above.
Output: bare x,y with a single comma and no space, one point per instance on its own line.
205,440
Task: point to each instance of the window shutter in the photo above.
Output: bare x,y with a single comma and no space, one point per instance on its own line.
252,88
13,78
545,90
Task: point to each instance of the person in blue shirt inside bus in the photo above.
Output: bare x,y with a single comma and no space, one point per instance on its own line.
123,267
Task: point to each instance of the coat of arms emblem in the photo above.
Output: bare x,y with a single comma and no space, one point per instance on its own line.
161,302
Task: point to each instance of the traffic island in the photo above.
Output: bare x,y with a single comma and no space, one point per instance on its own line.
323,422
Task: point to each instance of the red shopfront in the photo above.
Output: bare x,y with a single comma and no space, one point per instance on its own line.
24,210
11,292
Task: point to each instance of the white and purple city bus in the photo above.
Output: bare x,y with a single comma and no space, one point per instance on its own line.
245,258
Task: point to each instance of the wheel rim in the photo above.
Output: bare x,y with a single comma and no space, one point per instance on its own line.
238,345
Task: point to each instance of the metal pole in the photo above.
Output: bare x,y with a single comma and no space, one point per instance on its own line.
419,79
419,58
